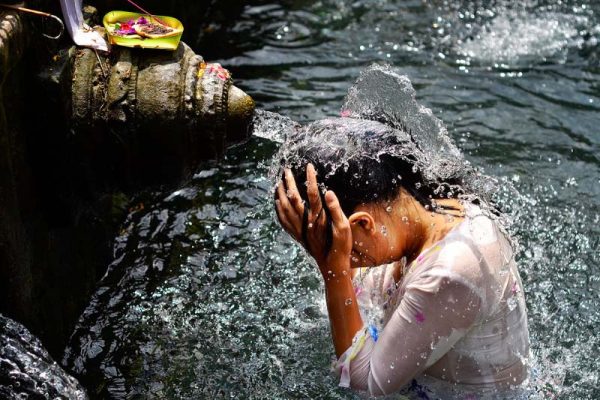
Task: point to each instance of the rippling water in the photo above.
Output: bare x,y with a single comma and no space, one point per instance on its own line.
206,295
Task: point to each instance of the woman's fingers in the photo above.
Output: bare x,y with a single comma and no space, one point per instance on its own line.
286,210
312,190
335,210
292,191
280,214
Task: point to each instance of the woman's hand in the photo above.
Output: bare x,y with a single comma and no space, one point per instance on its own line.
290,211
335,265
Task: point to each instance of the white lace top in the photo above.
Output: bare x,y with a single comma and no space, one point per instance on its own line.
457,314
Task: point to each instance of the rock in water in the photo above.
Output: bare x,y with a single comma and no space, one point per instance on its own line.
28,371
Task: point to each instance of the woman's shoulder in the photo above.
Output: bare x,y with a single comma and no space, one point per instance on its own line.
476,236
459,256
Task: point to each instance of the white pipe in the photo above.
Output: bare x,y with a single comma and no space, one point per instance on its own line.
81,34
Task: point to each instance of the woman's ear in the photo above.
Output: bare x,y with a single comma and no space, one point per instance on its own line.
362,220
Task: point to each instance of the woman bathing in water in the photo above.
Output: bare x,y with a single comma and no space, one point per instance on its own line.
419,278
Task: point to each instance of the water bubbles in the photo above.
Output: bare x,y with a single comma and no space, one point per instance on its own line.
348,302
389,209
383,230
571,181
310,225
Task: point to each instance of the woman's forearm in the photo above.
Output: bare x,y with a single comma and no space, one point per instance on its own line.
342,307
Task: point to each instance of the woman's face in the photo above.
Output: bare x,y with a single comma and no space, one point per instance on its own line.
383,232
373,239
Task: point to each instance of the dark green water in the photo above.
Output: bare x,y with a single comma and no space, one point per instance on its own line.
206,296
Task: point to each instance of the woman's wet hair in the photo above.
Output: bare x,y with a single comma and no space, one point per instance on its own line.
355,165
363,162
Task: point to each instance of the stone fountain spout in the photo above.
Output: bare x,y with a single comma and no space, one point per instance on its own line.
152,114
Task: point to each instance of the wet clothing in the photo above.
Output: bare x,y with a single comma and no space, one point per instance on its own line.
458,314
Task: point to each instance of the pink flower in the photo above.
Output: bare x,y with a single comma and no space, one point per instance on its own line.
218,70
124,28
514,289
419,317
345,113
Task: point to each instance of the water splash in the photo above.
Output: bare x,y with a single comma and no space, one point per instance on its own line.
272,126
515,37
383,94
383,120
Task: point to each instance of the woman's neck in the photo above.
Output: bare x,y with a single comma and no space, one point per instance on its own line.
426,227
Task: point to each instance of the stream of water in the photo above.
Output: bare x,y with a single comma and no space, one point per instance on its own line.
207,297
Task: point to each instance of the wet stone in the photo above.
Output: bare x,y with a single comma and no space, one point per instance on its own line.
28,371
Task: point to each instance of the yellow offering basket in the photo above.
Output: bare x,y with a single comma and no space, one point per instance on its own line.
167,42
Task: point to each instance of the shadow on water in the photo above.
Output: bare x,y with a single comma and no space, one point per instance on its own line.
206,295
